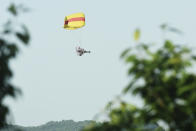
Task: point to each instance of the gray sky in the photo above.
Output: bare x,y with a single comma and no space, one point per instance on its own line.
59,85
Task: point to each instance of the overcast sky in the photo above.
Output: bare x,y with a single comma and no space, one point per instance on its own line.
59,85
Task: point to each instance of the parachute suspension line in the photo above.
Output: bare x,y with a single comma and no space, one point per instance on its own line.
80,38
77,38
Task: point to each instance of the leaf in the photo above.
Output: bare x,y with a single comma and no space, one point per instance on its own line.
169,45
171,29
164,26
194,57
175,60
131,58
7,31
187,88
12,9
2,42
24,36
129,86
13,49
137,35
145,47
175,30
185,50
109,105
125,52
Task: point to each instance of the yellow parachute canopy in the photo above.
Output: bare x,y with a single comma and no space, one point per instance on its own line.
74,21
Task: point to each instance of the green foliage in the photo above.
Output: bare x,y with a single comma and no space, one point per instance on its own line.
123,118
163,80
23,36
13,9
8,51
17,9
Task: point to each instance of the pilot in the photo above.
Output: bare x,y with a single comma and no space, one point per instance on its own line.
81,51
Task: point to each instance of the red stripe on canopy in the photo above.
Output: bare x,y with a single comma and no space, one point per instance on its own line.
74,19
